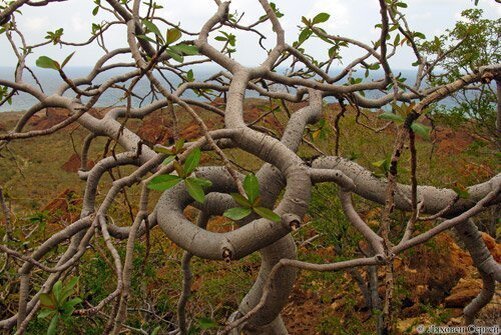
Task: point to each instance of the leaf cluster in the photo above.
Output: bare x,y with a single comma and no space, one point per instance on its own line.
48,63
57,303
176,52
399,114
194,185
250,203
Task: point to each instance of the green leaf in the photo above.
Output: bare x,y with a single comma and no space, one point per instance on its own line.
393,27
381,164
162,150
53,325
95,28
153,28
66,311
95,10
419,35
304,35
179,145
73,302
206,323
57,290
195,190
276,10
251,187
326,40
156,330
267,214
461,190
192,161
179,169
232,40
168,160
186,49
173,34
68,289
146,38
71,284
47,300
47,63
401,4
163,182
55,36
397,39
67,59
189,75
333,51
241,200
174,55
237,213
45,312
319,18
201,181
421,130
391,117
69,306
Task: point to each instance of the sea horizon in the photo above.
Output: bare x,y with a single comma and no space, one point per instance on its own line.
50,81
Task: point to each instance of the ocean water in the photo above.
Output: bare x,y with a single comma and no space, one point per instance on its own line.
50,81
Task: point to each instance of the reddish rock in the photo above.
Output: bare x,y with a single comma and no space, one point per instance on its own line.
270,120
494,248
303,312
451,142
51,117
464,292
73,164
191,132
35,119
98,112
154,131
220,224
455,313
57,113
251,114
431,287
218,102
2,127
63,207
407,325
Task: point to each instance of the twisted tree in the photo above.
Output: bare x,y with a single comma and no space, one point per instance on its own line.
267,204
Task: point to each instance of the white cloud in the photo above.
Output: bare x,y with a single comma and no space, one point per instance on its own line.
493,7
37,23
422,15
339,11
79,24
355,19
191,13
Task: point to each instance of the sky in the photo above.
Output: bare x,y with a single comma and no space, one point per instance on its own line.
350,18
